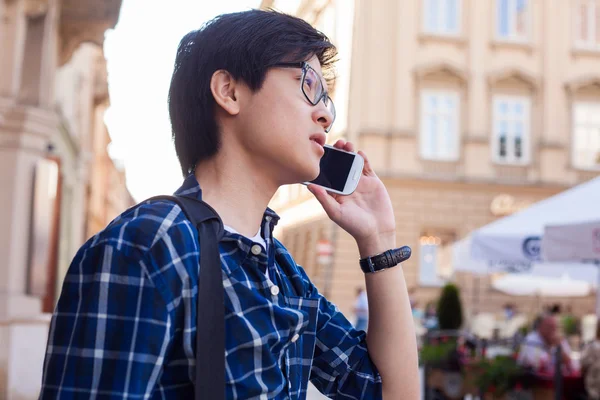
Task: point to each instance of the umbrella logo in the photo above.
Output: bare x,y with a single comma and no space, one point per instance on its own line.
515,267
531,248
596,240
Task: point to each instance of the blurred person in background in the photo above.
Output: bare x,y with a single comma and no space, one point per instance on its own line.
509,311
417,312
249,111
413,300
430,320
361,310
537,348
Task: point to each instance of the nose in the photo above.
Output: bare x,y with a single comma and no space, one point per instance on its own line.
323,116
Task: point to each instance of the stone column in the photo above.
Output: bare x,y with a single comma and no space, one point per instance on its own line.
27,122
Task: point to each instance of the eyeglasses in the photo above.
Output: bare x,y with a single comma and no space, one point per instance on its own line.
312,87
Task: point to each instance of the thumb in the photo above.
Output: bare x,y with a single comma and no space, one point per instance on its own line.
330,205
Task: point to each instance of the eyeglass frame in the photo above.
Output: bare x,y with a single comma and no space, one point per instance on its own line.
324,95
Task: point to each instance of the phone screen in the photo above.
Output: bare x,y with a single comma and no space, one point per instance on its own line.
335,168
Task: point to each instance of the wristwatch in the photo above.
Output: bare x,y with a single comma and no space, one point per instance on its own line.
385,260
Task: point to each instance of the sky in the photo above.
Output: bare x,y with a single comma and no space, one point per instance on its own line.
140,53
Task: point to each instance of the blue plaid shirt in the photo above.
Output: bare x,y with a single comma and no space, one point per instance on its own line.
125,323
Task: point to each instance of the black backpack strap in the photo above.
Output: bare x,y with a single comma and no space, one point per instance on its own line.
210,322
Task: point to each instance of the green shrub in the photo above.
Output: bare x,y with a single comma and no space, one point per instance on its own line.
449,308
570,325
436,353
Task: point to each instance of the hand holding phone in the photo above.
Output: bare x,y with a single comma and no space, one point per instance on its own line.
340,171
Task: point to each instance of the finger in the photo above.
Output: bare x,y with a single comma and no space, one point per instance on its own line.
367,168
349,147
340,144
330,205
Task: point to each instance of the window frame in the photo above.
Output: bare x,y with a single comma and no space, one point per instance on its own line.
439,30
592,42
438,244
511,159
575,125
512,37
435,155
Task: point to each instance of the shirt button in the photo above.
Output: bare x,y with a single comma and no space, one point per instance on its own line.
268,218
256,249
295,338
274,290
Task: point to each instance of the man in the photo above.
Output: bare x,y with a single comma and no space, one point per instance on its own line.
249,112
361,310
509,311
538,346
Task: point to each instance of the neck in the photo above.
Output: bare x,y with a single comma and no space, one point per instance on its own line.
231,184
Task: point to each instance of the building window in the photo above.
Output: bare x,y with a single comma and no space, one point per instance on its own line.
435,258
511,130
441,16
512,18
586,136
587,24
439,125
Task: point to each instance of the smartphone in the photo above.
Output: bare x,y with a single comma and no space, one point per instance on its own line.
340,171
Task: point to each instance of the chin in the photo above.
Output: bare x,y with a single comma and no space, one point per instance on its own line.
314,173
298,170
308,174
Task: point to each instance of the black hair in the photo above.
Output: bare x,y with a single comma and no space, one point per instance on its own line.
246,44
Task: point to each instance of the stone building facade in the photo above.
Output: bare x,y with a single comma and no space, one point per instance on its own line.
57,183
468,111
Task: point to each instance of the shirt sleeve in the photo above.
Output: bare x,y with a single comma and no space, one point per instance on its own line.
533,354
110,331
341,364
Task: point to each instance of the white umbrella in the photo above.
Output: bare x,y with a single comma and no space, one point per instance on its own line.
513,244
528,285
463,262
517,238
578,241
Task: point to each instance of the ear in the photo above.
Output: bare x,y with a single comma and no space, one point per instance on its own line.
223,87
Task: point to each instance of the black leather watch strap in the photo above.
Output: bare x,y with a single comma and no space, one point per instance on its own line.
385,260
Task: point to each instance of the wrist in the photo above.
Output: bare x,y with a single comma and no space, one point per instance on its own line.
376,244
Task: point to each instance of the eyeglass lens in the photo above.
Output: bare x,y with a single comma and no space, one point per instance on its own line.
313,88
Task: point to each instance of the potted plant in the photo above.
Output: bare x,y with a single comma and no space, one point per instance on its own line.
443,364
437,353
502,378
442,354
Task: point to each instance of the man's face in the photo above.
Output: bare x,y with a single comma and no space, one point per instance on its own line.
548,329
282,131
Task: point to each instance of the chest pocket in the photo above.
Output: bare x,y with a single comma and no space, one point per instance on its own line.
301,348
302,344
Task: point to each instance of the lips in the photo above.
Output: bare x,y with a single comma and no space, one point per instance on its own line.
319,138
